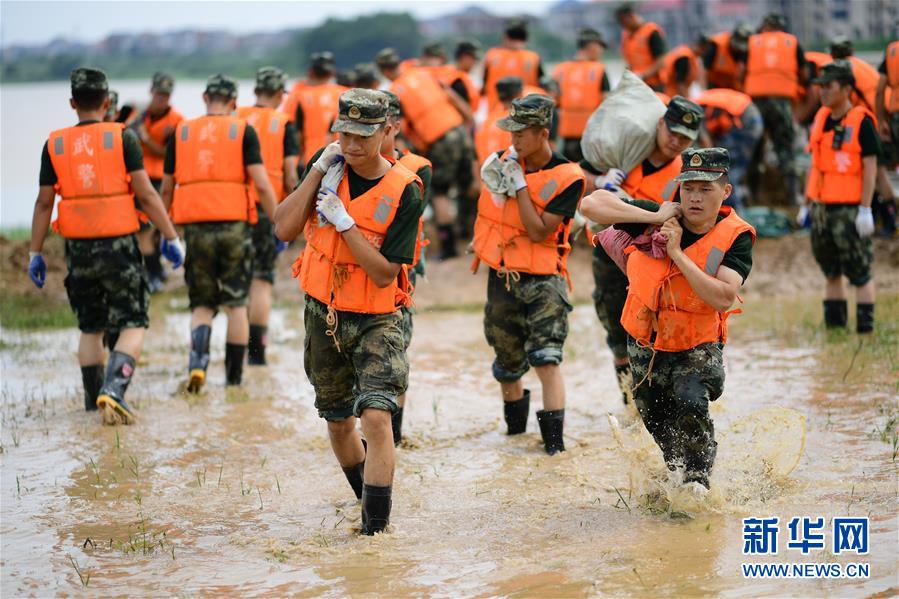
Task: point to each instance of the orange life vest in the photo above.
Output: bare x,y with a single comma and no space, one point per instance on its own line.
415,163
93,182
636,53
426,107
866,79
489,138
501,239
159,131
409,64
668,74
835,176
328,270
892,60
723,109
723,72
580,85
771,67
509,62
210,176
658,187
320,107
660,299
269,125
292,100
447,74
819,59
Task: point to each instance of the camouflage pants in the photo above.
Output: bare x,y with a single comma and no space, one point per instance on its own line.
836,245
608,299
527,324
450,157
777,114
368,372
219,263
264,255
106,283
890,154
674,402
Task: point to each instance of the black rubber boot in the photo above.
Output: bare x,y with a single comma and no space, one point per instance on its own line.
376,505
625,381
199,357
836,313
447,236
110,338
234,355
397,421
864,318
256,347
112,395
354,477
551,423
92,378
516,413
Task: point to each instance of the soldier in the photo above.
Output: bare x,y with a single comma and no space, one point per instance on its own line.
208,165
583,82
97,169
467,54
844,147
643,45
680,69
367,76
280,152
489,138
313,106
887,104
359,243
652,180
421,166
433,60
724,59
524,241
511,59
675,347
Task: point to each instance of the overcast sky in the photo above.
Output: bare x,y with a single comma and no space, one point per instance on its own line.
35,22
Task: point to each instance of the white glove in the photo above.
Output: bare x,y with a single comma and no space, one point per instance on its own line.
864,222
488,164
329,156
511,153
611,180
512,171
802,215
330,208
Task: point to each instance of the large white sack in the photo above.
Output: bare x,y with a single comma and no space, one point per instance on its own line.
621,133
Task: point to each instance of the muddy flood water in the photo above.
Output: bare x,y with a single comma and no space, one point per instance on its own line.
237,492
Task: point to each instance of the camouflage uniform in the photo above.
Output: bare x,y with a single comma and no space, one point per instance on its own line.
608,299
451,157
836,244
777,114
219,263
106,284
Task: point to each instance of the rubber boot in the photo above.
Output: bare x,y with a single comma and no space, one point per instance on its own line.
836,313
92,378
199,357
256,347
864,318
551,423
234,355
112,396
625,381
354,477
376,505
447,236
110,338
516,413
397,421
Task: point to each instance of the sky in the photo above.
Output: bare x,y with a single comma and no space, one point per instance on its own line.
37,22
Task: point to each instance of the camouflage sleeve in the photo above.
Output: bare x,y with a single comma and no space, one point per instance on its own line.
739,256
402,234
48,174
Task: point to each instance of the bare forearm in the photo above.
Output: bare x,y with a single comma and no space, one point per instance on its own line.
869,179
712,291
40,222
461,106
291,214
290,173
381,271
605,208
156,149
533,223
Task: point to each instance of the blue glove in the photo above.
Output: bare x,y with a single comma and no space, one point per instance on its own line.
280,246
37,270
173,251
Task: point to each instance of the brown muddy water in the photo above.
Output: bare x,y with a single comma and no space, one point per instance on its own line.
237,493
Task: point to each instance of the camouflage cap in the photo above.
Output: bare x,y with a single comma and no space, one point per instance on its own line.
509,88
271,79
703,164
739,38
222,85
534,110
684,116
588,35
87,79
838,70
162,83
434,50
469,48
366,74
361,111
387,58
346,78
113,104
775,19
840,46
625,8
322,61
394,108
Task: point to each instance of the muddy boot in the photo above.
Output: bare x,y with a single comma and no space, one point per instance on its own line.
397,421
199,358
112,396
551,423
110,338
256,347
625,381
516,413
234,354
836,313
92,378
375,509
864,318
354,477
447,236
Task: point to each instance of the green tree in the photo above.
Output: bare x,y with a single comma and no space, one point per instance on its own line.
358,40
